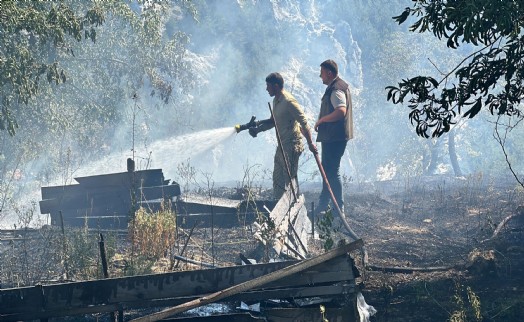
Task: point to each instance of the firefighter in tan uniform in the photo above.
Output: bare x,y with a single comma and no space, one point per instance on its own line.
291,123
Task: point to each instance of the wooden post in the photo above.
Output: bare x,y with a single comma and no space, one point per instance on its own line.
104,266
64,246
103,256
313,219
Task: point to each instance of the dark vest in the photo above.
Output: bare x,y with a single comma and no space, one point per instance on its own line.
341,130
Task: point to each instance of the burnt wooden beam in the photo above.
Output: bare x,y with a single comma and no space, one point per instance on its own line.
257,282
296,292
152,177
159,192
175,288
53,192
77,296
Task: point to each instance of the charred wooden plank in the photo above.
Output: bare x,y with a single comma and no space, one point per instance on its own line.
158,192
53,192
146,178
87,200
328,291
101,222
110,209
292,226
254,283
136,288
332,271
22,299
177,288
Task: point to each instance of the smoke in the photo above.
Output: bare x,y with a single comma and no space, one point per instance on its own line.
233,47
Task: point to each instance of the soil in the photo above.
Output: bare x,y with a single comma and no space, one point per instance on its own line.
440,233
439,248
434,250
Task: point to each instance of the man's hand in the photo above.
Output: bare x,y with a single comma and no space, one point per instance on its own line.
315,127
253,131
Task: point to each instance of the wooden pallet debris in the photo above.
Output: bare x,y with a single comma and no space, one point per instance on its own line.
105,201
330,275
292,227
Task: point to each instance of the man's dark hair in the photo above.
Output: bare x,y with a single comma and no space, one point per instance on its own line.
275,78
331,66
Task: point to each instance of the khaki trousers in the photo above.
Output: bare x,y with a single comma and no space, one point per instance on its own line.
280,174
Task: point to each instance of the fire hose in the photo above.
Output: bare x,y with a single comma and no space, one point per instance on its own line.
352,234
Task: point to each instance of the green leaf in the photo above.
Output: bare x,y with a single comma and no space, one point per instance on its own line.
474,110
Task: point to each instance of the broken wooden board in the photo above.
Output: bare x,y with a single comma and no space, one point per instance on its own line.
218,212
292,226
331,277
253,284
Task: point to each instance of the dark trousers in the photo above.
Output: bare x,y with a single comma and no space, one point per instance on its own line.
332,153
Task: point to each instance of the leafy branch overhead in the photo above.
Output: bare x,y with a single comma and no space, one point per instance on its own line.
43,44
32,35
490,77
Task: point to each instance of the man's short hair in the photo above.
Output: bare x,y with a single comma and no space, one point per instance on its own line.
275,78
331,66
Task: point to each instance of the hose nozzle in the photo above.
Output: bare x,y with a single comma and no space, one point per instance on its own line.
242,127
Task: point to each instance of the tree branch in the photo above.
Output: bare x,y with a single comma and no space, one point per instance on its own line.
501,141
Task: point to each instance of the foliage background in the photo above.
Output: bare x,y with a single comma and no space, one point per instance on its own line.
144,73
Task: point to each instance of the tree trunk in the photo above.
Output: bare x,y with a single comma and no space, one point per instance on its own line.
453,154
432,167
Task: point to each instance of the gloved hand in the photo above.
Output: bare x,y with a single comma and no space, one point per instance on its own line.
253,131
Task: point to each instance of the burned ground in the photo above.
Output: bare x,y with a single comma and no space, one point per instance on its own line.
439,232
435,253
437,249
